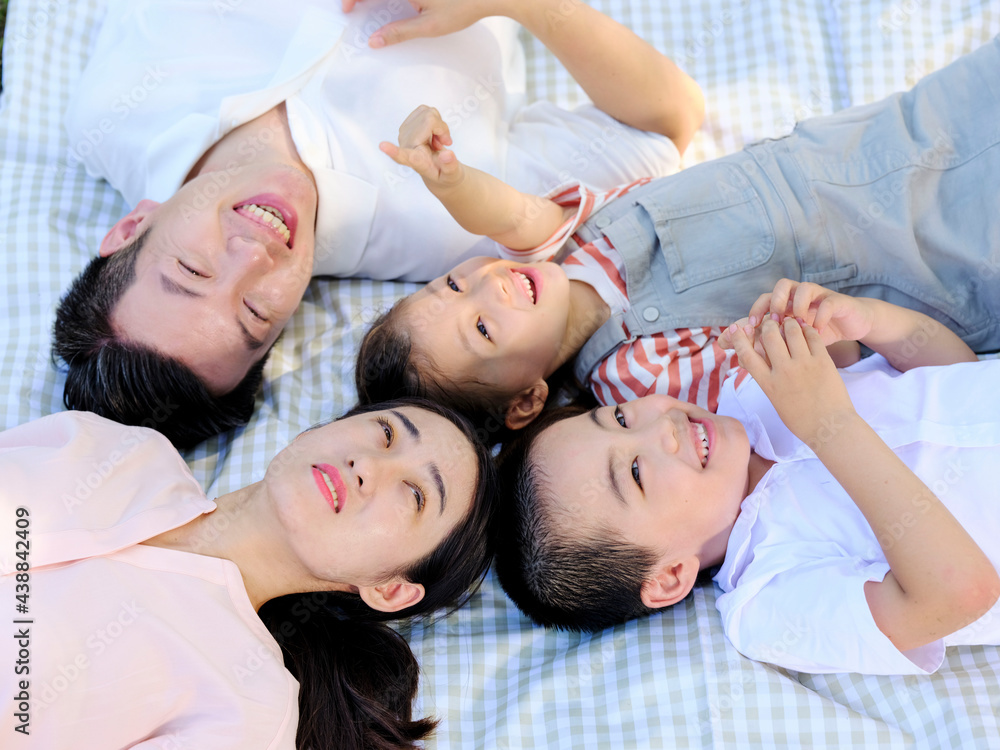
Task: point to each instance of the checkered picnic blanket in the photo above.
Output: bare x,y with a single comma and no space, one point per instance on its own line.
668,681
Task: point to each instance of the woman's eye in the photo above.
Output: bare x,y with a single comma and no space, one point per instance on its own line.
188,269
418,495
387,429
619,417
452,285
482,329
635,473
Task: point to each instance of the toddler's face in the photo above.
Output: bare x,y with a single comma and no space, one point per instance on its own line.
492,321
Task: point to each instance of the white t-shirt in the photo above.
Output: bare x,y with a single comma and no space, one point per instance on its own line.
801,551
124,644
169,78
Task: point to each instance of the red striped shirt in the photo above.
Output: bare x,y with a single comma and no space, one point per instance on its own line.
687,364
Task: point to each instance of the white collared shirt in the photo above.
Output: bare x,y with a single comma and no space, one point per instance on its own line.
169,79
801,552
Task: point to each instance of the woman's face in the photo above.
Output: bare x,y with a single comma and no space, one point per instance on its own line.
363,497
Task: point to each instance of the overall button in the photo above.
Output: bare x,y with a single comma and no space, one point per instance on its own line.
650,314
602,221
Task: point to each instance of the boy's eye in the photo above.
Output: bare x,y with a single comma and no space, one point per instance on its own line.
482,329
620,418
386,429
635,473
452,285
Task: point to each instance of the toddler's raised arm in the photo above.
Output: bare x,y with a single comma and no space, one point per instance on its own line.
479,202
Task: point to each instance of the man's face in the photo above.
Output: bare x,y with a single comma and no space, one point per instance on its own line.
223,269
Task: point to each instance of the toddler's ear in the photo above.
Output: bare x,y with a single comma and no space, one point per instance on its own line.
670,582
527,405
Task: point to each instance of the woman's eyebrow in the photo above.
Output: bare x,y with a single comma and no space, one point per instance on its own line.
408,424
433,468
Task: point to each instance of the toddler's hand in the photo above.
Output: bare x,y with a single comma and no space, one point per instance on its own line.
422,140
797,375
836,317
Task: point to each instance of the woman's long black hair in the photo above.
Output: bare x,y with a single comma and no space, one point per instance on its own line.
357,676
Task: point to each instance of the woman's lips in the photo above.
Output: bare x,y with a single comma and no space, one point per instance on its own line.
331,485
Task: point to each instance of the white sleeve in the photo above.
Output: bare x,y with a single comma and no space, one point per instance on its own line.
815,618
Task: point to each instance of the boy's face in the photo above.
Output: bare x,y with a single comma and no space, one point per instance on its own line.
492,321
642,470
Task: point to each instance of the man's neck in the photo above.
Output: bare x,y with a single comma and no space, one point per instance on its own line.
267,138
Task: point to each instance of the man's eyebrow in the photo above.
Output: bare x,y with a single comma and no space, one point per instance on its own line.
616,488
172,287
252,343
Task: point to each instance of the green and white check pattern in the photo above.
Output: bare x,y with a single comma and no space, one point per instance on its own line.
669,681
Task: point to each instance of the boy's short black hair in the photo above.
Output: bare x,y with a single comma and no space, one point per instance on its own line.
587,582
129,382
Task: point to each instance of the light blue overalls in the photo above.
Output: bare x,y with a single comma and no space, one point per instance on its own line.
898,200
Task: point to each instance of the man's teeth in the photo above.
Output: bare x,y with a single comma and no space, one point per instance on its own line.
528,285
703,448
333,491
271,216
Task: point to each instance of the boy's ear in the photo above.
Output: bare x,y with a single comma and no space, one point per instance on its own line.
527,405
391,597
126,228
670,582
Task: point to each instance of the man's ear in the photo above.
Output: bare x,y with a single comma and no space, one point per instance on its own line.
670,582
391,597
527,405
126,229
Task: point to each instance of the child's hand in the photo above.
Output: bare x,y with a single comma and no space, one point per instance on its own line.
836,317
422,140
797,375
